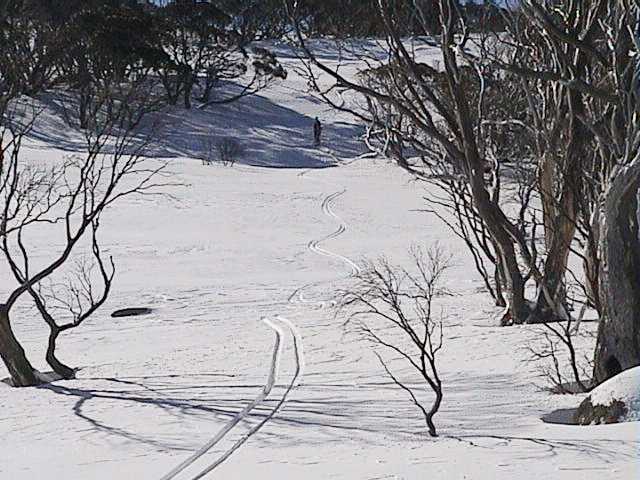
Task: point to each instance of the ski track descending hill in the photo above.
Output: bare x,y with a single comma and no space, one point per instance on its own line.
218,259
314,246
245,412
295,381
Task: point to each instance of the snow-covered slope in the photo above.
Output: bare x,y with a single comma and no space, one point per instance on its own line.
237,245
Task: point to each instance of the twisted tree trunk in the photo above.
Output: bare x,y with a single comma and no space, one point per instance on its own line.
498,225
13,355
560,228
60,368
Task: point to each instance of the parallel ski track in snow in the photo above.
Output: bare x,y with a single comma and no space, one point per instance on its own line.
295,380
315,247
245,412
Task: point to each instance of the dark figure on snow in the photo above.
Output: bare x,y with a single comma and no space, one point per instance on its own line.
317,132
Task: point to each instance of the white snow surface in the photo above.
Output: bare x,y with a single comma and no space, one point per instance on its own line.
624,387
237,245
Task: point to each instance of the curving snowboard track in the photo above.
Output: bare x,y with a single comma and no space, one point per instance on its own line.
315,246
276,324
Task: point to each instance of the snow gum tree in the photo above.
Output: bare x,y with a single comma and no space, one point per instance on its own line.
574,66
437,111
67,199
595,73
394,309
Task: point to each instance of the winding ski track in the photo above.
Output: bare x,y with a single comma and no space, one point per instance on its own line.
315,246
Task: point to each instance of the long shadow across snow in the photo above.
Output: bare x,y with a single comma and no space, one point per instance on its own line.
331,412
271,135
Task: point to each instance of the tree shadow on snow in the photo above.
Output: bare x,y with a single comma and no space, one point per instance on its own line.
334,418
371,412
271,135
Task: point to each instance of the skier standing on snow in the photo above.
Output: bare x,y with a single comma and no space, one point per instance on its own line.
317,132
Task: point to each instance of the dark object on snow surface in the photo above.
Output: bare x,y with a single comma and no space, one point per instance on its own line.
131,312
317,132
589,414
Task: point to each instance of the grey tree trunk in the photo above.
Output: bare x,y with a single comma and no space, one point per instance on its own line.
494,218
519,311
506,251
555,267
558,234
13,355
187,82
618,343
560,214
591,265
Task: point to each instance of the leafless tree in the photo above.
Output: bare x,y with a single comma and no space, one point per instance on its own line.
225,150
558,353
576,64
394,309
591,67
443,107
69,198
229,150
453,206
208,149
202,49
31,48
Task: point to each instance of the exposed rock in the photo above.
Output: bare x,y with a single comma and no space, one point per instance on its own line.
590,414
613,401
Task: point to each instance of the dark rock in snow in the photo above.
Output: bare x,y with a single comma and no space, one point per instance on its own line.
590,414
613,401
131,312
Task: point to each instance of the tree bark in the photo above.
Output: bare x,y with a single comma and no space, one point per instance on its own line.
188,81
560,215
431,413
210,83
518,307
60,368
83,112
559,230
499,280
13,355
555,267
618,344
591,265
494,218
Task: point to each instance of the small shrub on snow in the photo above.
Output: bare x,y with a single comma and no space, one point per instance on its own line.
556,353
229,150
226,151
